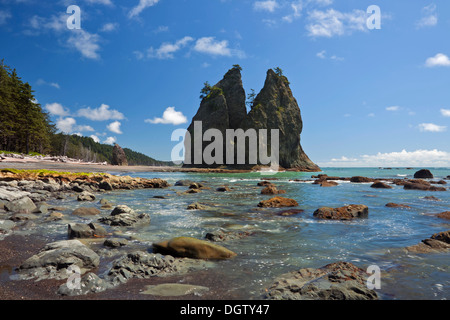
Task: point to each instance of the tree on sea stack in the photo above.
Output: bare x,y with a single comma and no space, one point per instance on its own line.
118,156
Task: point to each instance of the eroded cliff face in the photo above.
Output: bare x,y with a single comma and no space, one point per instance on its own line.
273,108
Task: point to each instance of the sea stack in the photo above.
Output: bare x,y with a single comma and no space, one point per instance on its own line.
223,107
118,156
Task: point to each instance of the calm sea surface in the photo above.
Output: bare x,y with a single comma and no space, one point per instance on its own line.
283,244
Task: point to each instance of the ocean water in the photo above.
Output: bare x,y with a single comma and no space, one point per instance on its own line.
283,244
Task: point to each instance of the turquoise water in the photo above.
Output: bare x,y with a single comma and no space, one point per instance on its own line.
283,244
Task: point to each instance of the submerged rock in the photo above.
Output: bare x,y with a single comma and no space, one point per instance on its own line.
174,290
221,235
397,205
380,185
193,248
86,211
336,281
444,215
342,213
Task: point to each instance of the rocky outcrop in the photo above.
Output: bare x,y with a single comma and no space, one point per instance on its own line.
119,157
336,281
342,213
273,108
439,242
423,174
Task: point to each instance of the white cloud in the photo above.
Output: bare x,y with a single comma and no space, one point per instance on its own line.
95,138
335,23
56,109
297,8
103,113
110,140
445,112
321,54
439,60
109,27
210,46
429,18
143,4
167,49
268,5
170,116
115,127
393,108
431,127
86,43
4,16
417,158
66,125
84,128
42,82
104,2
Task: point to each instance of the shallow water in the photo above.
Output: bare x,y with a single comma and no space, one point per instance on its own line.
283,244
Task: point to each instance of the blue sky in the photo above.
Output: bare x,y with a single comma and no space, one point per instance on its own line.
132,74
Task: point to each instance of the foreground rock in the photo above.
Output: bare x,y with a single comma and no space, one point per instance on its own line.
278,202
23,205
421,185
193,248
342,213
144,265
336,281
53,261
439,242
124,216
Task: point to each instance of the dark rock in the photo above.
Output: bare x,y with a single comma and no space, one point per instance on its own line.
105,185
183,183
327,183
380,185
115,242
278,202
85,196
431,198
444,215
22,217
336,281
439,242
271,189
265,184
221,235
91,230
342,213
359,179
422,186
423,174
197,206
119,157
223,189
85,211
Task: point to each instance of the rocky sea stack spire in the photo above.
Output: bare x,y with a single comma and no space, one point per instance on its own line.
119,157
223,107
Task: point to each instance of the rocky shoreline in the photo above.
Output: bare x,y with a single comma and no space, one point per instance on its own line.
23,197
